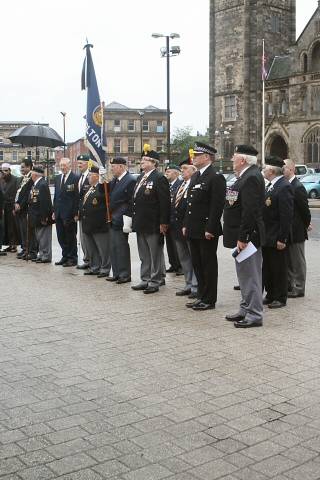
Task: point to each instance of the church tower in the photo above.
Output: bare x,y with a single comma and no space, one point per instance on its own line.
237,28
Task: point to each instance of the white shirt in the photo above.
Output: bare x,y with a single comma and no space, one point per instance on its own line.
292,178
172,183
203,169
273,182
121,176
37,181
82,179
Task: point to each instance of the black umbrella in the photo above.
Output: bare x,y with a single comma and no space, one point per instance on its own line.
37,136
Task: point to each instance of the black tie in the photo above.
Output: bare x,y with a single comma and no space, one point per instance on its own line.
63,180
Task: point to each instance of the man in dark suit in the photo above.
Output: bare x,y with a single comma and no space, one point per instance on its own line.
9,184
40,214
2,254
172,173
277,216
83,187
297,268
150,220
66,206
243,223
95,227
178,210
27,234
121,191
202,224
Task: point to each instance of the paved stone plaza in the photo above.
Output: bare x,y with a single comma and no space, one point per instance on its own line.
100,382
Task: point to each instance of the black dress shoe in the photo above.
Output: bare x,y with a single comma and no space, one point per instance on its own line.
151,290
112,279
3,253
140,286
204,306
70,263
276,304
84,266
46,261
193,295
61,262
234,318
102,275
21,254
183,293
266,301
170,270
192,304
179,273
123,280
37,260
236,287
294,294
89,272
162,282
247,324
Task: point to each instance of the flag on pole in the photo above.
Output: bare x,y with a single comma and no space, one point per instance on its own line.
264,72
94,116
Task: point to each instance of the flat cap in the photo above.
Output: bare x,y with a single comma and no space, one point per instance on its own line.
118,161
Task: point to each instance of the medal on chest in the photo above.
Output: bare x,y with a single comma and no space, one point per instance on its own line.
268,202
231,196
94,201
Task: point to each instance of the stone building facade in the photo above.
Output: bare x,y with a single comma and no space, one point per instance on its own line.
126,130
237,28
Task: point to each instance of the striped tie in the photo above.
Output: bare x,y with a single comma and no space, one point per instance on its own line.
180,193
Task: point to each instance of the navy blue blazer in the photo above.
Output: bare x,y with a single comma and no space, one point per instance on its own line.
66,198
121,199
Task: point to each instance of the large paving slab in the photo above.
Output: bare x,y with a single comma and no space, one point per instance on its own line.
100,382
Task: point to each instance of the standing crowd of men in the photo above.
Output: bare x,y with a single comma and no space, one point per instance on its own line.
264,225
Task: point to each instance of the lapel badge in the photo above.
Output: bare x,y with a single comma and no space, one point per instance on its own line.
268,202
94,201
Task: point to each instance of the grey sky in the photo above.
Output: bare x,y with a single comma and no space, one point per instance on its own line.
41,57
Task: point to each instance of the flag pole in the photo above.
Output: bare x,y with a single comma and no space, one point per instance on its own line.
263,106
106,183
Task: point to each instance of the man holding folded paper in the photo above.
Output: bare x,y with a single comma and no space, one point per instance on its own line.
243,231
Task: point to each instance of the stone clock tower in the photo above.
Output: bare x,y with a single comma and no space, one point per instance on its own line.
237,28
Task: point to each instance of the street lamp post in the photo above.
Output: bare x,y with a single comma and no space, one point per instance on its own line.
222,134
141,115
64,132
168,52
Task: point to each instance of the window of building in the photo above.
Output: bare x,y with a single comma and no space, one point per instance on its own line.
315,58
145,126
1,140
131,146
230,107
29,154
275,23
37,155
317,26
284,107
1,155
160,128
159,145
228,149
14,155
131,125
315,99
269,109
117,145
116,125
304,63
312,146
229,74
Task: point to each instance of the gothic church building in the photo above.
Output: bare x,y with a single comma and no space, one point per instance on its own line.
292,89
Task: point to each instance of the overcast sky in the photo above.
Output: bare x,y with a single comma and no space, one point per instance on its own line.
41,58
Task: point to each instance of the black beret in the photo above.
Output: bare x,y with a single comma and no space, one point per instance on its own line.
173,166
203,148
118,161
84,157
274,161
151,154
94,169
38,169
246,150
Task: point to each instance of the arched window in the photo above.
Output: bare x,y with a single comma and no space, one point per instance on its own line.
304,63
315,59
228,149
312,144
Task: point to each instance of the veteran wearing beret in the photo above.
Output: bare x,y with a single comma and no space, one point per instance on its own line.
83,187
277,216
150,220
95,227
243,223
202,224
121,191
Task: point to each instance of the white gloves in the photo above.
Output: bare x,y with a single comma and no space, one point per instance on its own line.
102,175
127,224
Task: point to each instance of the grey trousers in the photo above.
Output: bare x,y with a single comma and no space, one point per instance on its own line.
44,239
183,250
120,254
249,274
98,245
150,248
297,267
83,244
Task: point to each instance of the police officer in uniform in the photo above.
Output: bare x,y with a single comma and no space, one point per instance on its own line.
83,187
40,215
95,227
150,220
202,224
243,223
277,216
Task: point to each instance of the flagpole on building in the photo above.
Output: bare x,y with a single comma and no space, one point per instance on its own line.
263,105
